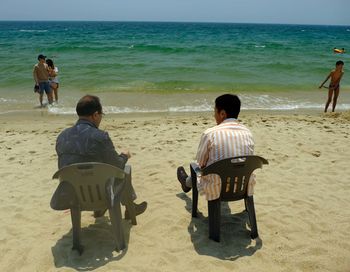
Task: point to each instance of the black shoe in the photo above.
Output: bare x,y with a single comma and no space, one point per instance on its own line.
139,209
182,176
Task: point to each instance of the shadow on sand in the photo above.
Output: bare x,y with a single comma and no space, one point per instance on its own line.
235,239
99,247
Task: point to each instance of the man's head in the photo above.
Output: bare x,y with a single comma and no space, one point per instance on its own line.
89,107
41,58
339,64
227,106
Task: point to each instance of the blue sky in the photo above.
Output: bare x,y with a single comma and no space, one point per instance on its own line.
240,11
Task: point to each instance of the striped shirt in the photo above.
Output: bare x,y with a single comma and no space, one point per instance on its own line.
228,139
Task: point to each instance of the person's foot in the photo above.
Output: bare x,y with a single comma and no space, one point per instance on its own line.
182,176
139,209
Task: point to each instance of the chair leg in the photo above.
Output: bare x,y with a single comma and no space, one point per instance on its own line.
214,214
194,193
129,201
252,218
115,215
76,225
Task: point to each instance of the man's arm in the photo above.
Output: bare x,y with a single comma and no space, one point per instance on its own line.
330,74
110,155
35,75
203,151
342,73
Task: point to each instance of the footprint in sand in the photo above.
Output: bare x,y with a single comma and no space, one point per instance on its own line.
316,153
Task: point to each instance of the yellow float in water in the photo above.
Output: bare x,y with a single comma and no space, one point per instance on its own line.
338,51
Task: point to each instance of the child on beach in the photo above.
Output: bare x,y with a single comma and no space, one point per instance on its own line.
334,85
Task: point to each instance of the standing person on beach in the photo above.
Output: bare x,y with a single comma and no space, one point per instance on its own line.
85,142
227,139
53,78
334,85
41,78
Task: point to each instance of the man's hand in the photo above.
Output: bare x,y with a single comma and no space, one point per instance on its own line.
127,153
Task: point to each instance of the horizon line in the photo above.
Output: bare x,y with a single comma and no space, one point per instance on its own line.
151,21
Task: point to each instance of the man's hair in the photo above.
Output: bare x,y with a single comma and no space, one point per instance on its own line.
88,105
229,103
339,62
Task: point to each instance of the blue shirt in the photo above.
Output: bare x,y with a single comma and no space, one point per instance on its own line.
84,142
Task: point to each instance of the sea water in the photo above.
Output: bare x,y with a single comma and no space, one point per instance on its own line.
173,67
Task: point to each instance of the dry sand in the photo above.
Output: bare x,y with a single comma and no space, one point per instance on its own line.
301,198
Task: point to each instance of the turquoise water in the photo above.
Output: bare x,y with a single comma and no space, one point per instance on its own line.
163,66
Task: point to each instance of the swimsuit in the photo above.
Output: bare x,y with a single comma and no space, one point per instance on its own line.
333,86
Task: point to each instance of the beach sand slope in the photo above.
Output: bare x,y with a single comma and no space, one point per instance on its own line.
301,198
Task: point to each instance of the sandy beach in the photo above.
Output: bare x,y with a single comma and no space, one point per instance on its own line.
301,197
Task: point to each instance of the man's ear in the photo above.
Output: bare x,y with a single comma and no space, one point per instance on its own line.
95,115
223,114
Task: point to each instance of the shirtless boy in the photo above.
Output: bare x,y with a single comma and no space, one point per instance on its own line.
334,85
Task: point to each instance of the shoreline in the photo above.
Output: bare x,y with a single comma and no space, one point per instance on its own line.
43,113
145,103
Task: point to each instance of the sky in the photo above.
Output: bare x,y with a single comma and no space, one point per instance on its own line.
326,12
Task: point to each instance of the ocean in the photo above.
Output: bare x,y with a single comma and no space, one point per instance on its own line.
172,67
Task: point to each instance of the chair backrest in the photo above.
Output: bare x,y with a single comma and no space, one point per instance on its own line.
235,174
91,181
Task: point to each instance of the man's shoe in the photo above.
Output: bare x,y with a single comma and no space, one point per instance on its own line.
182,176
139,209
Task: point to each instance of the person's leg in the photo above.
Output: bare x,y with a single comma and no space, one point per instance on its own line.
48,92
54,87
329,100
41,98
184,179
56,93
129,196
41,93
335,98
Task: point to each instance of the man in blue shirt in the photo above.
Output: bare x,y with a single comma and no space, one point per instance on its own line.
85,142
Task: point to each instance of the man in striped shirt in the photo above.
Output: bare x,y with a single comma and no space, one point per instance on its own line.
227,139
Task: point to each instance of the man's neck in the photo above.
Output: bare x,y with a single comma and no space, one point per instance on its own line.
89,119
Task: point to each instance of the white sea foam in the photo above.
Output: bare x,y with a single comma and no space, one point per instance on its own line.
260,46
7,100
198,108
33,30
178,104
